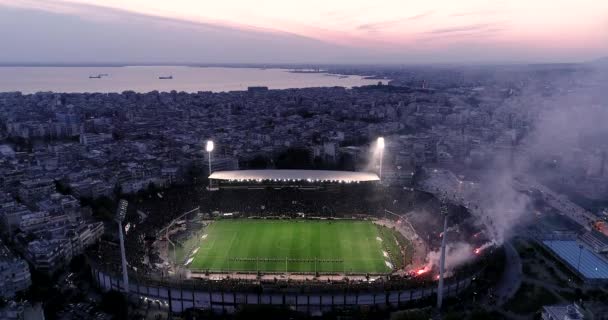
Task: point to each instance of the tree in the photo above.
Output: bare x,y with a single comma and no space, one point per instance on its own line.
267,312
102,207
194,175
346,162
258,162
454,315
294,158
117,190
412,314
151,188
62,187
480,314
115,303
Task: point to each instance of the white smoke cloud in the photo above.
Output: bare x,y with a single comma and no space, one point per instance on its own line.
456,254
564,128
500,206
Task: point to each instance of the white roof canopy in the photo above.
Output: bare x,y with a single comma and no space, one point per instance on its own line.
295,175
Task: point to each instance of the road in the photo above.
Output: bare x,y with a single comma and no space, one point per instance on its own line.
511,277
445,183
558,201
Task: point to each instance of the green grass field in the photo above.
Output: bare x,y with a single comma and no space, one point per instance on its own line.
293,246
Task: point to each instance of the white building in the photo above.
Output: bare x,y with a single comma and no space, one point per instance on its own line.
35,189
562,312
91,188
89,139
14,273
12,311
48,255
10,217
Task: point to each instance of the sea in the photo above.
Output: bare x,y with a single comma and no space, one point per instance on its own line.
147,78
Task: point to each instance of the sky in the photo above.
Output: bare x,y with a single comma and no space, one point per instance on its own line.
295,31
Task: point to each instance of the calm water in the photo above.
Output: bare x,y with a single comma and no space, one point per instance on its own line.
144,79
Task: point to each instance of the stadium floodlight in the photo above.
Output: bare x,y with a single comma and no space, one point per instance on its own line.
444,212
121,211
380,146
209,148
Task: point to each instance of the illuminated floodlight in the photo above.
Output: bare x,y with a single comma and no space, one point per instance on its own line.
380,146
209,147
381,142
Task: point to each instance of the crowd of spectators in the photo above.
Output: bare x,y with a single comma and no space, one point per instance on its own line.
299,285
339,201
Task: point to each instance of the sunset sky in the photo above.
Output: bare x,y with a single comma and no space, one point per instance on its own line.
392,31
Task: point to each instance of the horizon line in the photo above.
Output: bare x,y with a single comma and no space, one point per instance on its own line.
270,64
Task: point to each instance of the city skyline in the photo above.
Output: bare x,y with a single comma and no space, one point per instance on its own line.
311,32
303,159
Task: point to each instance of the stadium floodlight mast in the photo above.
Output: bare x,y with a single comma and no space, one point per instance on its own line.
209,148
444,213
380,146
119,218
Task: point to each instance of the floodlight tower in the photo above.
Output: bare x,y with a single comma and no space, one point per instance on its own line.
209,148
380,146
444,212
119,218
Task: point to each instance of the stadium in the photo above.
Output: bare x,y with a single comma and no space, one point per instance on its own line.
310,239
310,244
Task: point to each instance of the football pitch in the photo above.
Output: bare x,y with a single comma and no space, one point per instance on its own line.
290,246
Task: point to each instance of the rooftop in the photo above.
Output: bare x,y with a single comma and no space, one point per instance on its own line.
592,265
295,175
563,312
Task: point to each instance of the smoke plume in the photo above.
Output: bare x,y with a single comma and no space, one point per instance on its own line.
562,141
456,254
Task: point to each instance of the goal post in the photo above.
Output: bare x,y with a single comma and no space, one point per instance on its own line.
283,264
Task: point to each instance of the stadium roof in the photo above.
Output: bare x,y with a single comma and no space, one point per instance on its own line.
295,175
592,266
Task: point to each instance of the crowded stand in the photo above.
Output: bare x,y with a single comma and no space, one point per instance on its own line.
154,218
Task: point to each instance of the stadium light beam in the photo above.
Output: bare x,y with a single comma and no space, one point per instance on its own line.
209,148
380,146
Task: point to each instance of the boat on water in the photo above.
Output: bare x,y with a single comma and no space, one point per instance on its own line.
95,77
165,77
